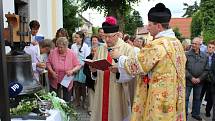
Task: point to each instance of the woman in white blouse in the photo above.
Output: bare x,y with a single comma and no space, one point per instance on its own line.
82,50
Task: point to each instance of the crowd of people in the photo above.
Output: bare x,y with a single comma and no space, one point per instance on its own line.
148,81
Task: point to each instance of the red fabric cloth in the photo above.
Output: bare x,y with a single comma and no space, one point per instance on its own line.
146,79
105,100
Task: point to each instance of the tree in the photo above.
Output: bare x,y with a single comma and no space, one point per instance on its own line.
196,25
208,19
132,21
70,21
116,8
190,10
138,19
178,34
95,30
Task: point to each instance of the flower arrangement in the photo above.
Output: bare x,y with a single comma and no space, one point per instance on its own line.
67,111
24,107
27,104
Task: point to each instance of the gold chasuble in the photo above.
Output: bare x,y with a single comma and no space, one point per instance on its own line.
162,97
110,101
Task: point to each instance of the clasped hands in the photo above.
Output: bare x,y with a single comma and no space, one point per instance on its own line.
195,80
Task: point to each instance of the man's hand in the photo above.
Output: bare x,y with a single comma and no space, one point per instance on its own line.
198,80
113,69
41,65
195,80
34,42
92,69
114,54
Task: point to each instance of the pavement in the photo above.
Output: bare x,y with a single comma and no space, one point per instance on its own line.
84,116
202,111
82,113
202,114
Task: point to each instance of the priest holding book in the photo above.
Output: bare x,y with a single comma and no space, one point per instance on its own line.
112,99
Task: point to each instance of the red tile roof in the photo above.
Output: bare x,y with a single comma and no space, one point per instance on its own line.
184,25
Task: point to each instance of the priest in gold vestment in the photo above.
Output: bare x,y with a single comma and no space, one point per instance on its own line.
160,70
112,100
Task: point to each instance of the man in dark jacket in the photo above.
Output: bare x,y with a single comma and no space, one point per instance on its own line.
206,90
196,72
101,35
212,76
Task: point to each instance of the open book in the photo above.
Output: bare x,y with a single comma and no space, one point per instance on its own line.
98,64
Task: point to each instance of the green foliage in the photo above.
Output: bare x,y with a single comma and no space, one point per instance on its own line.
203,19
132,21
208,19
24,107
208,35
70,21
196,25
178,34
30,102
66,110
108,5
117,8
95,30
138,19
190,10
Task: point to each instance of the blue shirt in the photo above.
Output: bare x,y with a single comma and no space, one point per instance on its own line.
203,48
88,41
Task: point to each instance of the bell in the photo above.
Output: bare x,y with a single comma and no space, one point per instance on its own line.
19,68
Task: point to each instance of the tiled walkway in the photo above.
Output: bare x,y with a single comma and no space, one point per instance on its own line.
82,115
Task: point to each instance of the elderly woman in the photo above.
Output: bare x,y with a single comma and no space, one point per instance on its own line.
62,61
139,42
186,44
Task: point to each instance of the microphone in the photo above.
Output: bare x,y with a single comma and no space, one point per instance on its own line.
109,50
14,88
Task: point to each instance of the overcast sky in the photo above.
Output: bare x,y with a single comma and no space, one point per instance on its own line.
176,7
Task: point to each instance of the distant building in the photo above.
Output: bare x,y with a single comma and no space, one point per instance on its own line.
183,24
143,32
87,25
